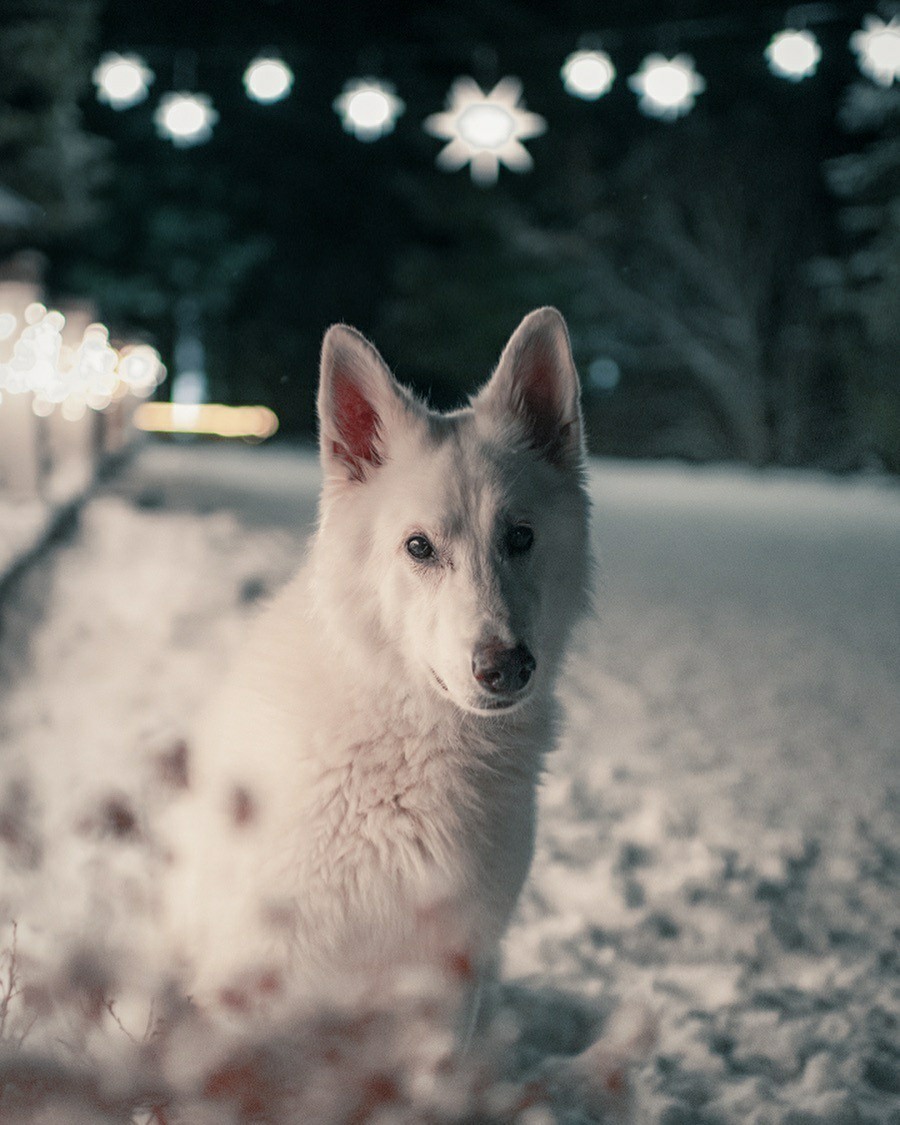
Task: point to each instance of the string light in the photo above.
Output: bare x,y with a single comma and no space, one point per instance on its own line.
185,119
485,130
667,88
122,80
793,54
877,48
90,374
140,369
482,129
267,80
588,74
368,109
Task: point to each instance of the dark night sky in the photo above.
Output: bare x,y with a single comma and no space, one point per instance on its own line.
332,217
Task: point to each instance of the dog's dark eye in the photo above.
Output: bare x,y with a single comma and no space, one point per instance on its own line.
519,539
419,547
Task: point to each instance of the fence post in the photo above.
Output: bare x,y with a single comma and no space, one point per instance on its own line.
21,445
72,437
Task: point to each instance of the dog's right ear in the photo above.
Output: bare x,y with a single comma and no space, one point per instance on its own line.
359,400
536,384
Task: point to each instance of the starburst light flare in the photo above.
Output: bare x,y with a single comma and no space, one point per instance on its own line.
485,130
877,48
667,88
368,109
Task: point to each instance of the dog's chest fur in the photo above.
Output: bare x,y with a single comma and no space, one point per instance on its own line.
375,833
411,819
385,806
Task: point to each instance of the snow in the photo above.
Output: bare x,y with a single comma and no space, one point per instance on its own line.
718,835
26,522
22,525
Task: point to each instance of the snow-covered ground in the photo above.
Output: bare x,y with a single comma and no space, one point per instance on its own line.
719,835
26,522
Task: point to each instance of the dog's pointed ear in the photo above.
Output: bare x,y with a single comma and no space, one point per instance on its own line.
536,383
359,401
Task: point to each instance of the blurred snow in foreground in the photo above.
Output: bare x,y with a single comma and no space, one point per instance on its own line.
718,841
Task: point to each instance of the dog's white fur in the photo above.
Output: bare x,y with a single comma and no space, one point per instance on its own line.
356,795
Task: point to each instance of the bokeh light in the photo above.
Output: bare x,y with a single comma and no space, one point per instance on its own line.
122,80
210,418
89,374
588,74
793,54
140,369
268,79
604,374
877,48
368,109
185,119
667,88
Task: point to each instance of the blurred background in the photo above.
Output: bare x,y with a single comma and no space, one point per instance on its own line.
723,235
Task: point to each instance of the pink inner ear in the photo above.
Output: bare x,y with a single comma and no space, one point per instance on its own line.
536,383
358,426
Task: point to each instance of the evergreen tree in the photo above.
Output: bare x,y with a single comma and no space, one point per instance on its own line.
46,157
861,289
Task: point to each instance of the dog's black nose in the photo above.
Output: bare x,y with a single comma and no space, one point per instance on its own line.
500,669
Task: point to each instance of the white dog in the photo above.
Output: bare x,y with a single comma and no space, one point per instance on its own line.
372,761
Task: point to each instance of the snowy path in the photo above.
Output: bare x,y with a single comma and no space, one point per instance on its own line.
722,823
719,833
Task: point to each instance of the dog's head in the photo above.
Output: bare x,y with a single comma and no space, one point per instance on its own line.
457,544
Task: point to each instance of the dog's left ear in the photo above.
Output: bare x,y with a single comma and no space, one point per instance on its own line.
536,383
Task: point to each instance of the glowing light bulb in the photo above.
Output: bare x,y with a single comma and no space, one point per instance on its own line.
793,54
877,48
140,369
368,109
588,74
667,88
486,126
122,80
485,130
268,80
185,119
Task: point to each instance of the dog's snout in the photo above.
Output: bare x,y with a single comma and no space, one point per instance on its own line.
501,669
